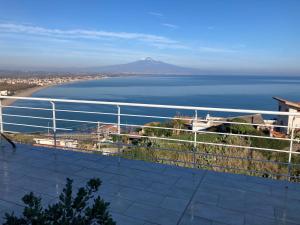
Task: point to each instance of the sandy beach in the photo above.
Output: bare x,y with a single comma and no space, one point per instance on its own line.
23,93
28,92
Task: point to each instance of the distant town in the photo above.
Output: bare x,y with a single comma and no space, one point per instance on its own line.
11,85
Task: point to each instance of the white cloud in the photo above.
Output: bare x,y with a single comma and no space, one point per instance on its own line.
157,14
59,35
83,33
169,25
216,50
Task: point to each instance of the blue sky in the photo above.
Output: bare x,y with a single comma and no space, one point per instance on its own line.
251,36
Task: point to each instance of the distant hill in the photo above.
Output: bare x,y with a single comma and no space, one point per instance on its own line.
145,66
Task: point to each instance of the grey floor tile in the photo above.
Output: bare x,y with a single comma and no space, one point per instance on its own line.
153,214
118,204
126,220
175,204
216,214
145,197
194,220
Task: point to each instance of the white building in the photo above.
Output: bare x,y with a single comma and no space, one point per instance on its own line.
289,121
4,93
203,124
65,143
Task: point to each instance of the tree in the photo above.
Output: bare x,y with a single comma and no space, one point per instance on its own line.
68,211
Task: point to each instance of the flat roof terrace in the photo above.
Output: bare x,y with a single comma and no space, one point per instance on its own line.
143,193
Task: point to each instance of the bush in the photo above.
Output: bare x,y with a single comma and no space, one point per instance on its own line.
68,211
240,128
148,131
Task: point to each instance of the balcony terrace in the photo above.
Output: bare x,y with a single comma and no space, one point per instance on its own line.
186,191
148,193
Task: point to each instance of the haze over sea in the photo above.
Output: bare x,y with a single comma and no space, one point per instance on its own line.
246,92
249,92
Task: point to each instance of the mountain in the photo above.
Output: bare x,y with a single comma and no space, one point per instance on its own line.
145,66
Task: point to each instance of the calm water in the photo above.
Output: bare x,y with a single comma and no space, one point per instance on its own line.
248,92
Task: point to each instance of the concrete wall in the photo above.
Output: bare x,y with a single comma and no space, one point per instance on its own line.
287,120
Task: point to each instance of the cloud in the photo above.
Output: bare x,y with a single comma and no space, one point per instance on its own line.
216,50
157,14
83,33
27,32
172,26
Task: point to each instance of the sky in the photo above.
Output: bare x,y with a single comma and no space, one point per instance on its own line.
247,36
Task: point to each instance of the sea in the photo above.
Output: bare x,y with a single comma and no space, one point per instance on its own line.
243,92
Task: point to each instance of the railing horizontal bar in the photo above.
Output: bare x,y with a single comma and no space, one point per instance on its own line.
170,118
30,125
252,124
203,131
27,125
206,154
22,116
123,114
155,117
173,129
77,121
245,170
155,106
84,121
24,107
149,116
12,132
85,112
227,167
206,143
244,135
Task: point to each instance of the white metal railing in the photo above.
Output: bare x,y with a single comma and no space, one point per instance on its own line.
120,132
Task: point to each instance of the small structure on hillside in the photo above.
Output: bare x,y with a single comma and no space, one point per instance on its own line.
107,130
256,120
289,121
200,123
5,93
64,143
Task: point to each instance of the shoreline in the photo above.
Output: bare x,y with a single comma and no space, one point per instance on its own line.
23,93
30,91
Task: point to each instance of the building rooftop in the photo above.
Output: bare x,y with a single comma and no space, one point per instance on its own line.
145,193
253,119
288,103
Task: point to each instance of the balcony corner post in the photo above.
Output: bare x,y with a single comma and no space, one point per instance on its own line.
54,123
195,139
291,148
1,117
119,136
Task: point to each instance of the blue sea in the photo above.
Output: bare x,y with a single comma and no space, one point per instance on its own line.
246,92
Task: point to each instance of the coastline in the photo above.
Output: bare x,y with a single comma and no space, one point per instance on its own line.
23,93
30,91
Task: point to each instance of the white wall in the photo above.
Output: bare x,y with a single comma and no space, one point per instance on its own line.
287,120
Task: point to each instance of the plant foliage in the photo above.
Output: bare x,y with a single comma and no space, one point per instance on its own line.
83,209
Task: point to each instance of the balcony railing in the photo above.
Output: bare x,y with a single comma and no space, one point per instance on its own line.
222,141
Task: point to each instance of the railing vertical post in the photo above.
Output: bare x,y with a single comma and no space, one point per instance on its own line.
1,121
98,136
1,117
54,123
119,132
195,137
291,148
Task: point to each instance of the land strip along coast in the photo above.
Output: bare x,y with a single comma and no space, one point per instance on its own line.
23,93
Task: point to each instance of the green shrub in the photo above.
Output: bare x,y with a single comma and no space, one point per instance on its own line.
68,211
148,131
240,128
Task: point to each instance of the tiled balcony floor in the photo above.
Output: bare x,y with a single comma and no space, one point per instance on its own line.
147,193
